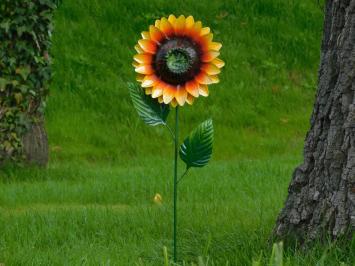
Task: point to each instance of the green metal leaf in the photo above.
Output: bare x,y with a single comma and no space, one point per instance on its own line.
196,150
150,110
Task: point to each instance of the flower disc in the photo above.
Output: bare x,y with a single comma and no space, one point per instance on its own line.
176,60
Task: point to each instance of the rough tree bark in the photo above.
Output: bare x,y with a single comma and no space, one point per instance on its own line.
35,140
35,144
321,199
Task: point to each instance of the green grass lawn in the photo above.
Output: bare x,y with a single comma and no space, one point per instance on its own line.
100,213
93,205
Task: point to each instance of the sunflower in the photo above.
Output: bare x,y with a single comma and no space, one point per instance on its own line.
177,60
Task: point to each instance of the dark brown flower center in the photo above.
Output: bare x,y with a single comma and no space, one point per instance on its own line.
177,60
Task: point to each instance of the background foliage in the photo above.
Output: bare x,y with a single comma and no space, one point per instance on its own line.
25,33
260,109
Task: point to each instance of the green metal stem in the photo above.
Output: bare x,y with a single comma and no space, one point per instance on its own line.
176,180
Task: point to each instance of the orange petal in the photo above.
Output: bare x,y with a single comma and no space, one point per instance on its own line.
149,81
145,69
181,95
210,69
173,103
205,31
157,90
189,22
218,62
192,87
148,46
168,94
145,35
190,99
205,41
214,78
155,34
138,49
143,58
203,90
194,33
203,78
164,85
179,25
166,27
209,56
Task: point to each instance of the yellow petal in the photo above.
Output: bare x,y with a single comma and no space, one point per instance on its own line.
207,39
172,19
148,46
189,22
155,34
179,25
143,58
190,99
135,64
192,88
203,90
210,69
205,31
209,56
215,79
145,35
138,49
140,77
160,99
181,95
215,46
157,91
218,62
148,91
149,81
198,26
145,69
157,23
173,103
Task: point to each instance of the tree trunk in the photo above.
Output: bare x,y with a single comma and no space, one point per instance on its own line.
35,145
321,199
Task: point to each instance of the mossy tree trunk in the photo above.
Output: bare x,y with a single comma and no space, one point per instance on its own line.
25,72
321,199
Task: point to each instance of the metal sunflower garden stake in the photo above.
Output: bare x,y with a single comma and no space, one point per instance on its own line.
176,62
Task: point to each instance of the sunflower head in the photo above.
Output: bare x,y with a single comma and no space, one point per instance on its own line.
177,59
